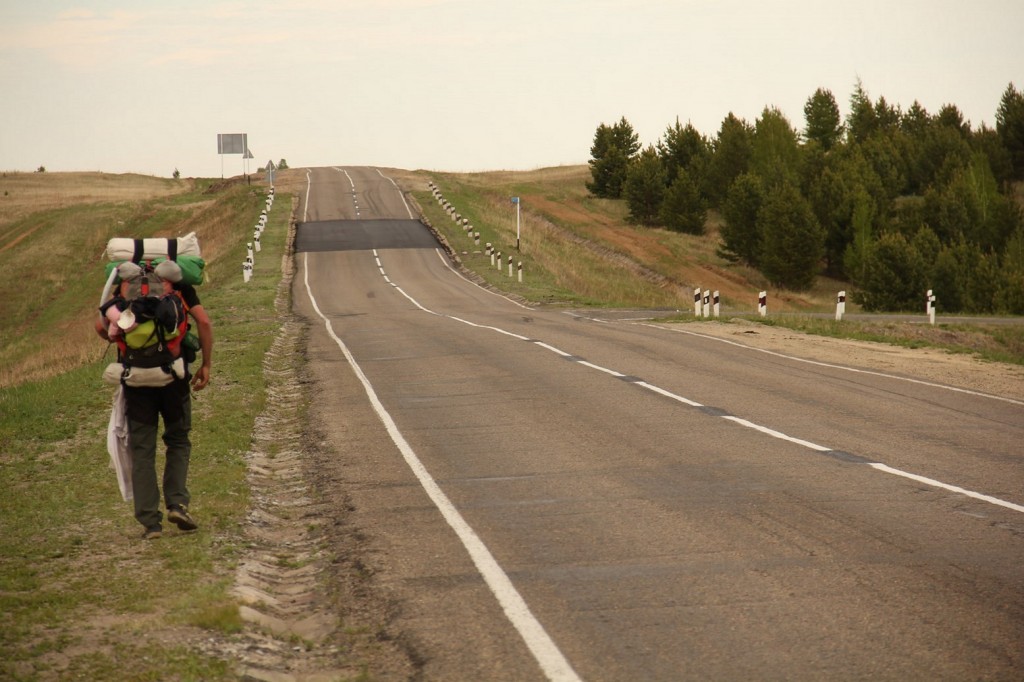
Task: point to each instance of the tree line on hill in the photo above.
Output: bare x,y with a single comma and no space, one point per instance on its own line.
895,202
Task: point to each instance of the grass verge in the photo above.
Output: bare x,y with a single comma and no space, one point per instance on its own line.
81,594
991,342
559,267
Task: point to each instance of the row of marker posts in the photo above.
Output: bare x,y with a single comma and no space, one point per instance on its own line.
762,304
253,247
458,219
704,305
708,303
929,306
497,262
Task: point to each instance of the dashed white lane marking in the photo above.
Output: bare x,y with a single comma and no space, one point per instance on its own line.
734,419
777,434
946,486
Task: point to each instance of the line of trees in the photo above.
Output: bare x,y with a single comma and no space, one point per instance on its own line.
896,202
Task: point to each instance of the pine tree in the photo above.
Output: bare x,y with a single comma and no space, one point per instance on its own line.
730,158
682,209
894,276
830,201
1010,126
1009,296
792,242
858,251
683,149
824,124
740,238
613,149
862,121
774,148
645,187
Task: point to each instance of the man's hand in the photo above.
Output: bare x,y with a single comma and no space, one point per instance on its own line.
201,378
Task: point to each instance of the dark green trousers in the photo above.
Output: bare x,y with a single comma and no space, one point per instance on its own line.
144,407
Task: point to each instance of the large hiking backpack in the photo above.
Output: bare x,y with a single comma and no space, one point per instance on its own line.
147,316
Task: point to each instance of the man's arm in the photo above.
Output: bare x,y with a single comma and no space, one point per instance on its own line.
204,327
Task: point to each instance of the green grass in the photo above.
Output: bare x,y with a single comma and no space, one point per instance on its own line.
81,594
556,269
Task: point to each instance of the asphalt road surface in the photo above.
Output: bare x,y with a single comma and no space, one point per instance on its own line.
552,497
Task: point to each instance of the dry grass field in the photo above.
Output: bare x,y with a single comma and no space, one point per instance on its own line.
53,231
24,193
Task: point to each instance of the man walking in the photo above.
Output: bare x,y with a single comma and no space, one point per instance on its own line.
144,407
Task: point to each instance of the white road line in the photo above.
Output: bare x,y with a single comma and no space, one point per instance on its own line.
407,209
350,183
553,349
305,205
833,366
736,420
400,290
945,486
599,368
668,394
544,650
483,326
777,434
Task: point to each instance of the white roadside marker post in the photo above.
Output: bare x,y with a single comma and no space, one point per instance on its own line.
515,200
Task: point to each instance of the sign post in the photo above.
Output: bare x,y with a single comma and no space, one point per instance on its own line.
232,143
515,200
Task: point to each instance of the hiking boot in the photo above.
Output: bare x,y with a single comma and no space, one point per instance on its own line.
179,516
152,533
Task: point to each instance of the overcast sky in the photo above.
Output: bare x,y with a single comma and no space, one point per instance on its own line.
463,85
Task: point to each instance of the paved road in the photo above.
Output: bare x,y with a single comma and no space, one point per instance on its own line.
666,506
